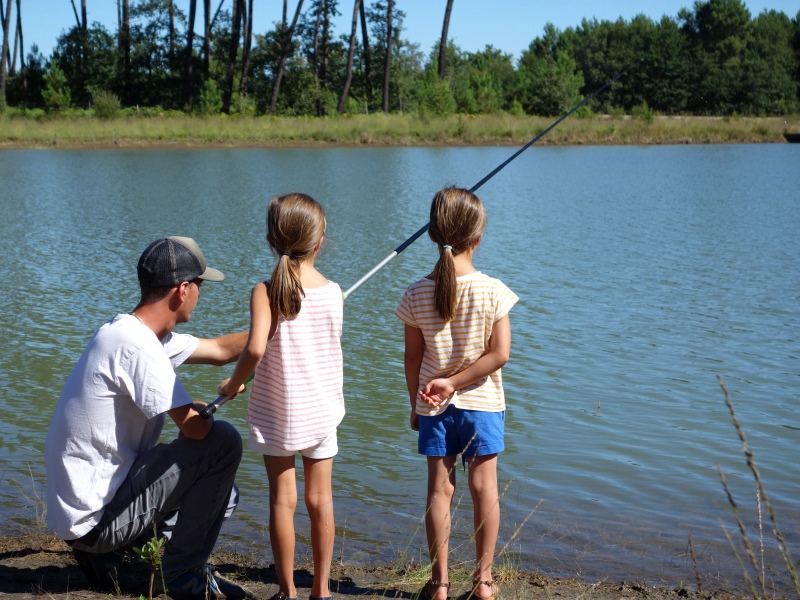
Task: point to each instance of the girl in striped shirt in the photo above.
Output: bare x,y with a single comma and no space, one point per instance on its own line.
296,401
457,337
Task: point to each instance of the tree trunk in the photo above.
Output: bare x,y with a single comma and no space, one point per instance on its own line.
233,51
350,54
13,57
189,62
388,64
3,61
248,45
22,70
125,50
285,9
367,52
287,43
171,9
84,22
75,11
207,37
443,41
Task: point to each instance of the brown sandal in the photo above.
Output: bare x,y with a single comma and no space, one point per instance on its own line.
426,594
490,584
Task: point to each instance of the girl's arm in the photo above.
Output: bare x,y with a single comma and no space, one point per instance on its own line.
260,321
415,348
439,390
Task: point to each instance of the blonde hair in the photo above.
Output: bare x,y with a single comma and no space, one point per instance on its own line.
295,225
456,224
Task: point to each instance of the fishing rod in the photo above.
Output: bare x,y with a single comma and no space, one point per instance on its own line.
497,169
211,408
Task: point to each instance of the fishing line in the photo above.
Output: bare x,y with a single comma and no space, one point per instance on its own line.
211,408
497,169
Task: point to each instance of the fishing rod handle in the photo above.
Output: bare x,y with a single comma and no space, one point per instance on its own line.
210,409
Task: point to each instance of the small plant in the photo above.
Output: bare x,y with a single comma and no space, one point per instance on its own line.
643,113
210,100
106,104
56,94
150,553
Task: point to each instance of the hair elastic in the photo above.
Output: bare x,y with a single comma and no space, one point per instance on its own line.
284,253
447,247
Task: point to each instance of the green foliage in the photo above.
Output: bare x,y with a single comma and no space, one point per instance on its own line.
210,100
56,94
548,85
106,104
437,98
150,553
643,112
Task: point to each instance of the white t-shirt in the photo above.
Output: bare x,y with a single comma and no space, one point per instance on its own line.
110,411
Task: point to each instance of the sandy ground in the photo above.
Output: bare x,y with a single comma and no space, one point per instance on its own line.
40,566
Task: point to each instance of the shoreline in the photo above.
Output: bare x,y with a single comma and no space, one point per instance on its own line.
37,565
382,131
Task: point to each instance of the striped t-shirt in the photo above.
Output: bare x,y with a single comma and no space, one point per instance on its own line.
452,347
296,400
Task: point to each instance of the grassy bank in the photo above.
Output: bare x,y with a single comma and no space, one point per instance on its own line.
382,130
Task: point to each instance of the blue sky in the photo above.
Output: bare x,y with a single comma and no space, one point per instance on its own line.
509,25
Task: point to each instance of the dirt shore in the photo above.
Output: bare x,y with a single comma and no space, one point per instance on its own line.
40,566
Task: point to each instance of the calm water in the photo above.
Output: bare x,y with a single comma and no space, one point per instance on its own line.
643,273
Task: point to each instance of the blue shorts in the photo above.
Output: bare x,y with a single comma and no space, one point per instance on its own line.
473,432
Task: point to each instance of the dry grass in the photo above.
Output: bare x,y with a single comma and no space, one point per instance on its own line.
381,130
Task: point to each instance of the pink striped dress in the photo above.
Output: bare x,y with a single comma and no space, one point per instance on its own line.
296,400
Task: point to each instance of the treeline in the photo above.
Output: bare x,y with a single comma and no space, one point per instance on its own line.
712,59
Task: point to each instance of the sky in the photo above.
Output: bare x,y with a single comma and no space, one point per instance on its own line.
508,25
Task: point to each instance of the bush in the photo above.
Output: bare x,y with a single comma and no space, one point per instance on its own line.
56,94
437,98
106,105
210,100
643,113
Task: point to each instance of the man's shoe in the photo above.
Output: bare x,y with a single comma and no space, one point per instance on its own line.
100,569
204,583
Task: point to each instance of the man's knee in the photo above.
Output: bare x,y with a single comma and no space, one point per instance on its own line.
226,442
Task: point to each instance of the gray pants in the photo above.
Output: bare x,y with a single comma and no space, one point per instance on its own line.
184,490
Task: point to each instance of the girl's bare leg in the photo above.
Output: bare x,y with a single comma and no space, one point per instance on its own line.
282,504
441,487
319,502
486,516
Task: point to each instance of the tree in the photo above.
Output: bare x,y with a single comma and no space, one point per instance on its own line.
56,93
286,48
350,54
549,82
388,62
3,55
88,60
233,52
443,40
189,55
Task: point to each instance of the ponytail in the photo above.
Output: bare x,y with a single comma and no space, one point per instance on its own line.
456,224
295,226
444,280
285,292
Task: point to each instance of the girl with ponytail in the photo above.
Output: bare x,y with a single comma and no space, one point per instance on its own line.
457,337
296,402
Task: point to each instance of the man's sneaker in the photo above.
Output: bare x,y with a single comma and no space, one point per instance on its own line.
101,570
204,583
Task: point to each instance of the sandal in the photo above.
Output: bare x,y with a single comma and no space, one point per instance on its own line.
490,584
426,594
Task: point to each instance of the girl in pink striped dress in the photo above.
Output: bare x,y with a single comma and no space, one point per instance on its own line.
296,401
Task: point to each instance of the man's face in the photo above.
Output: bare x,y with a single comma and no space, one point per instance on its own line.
190,300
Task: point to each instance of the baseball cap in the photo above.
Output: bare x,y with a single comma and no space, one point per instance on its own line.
173,260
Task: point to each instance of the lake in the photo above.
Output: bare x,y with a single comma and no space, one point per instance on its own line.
644,274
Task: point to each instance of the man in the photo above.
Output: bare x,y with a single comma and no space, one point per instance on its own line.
110,484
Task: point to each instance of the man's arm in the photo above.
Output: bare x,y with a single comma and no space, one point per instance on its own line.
218,351
189,421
